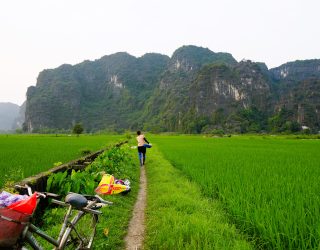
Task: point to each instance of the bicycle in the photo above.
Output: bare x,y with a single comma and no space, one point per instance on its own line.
77,231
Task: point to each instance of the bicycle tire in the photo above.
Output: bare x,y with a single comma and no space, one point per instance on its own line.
81,231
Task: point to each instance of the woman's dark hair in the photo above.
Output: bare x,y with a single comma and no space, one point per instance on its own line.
138,132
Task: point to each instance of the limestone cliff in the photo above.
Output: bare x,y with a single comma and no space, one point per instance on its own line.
194,91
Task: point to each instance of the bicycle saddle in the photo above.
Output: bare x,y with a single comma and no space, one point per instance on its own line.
76,200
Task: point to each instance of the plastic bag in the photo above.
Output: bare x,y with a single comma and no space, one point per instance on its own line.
109,185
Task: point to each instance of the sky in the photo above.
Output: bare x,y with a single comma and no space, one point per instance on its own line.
43,34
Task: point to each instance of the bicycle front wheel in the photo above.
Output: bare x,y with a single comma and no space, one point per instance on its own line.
80,232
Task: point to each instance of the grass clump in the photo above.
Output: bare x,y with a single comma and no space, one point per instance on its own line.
85,151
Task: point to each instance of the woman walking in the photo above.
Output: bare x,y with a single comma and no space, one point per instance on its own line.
141,148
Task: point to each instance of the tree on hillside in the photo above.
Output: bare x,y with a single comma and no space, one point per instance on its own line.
77,129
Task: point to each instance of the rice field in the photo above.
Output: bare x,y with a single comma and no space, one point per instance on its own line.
269,186
179,217
25,155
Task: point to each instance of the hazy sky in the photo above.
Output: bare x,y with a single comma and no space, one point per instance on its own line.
42,34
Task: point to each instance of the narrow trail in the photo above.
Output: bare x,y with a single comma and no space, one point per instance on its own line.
135,236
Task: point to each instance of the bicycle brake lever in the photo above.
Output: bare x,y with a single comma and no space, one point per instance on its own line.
52,195
41,194
24,187
103,201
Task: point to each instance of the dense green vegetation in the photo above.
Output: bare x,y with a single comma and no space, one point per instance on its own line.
111,229
179,217
103,94
26,155
268,185
114,161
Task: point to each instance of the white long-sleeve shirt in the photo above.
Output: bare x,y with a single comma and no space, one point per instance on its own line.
141,140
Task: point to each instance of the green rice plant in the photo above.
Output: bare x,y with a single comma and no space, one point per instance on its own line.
269,185
37,153
179,217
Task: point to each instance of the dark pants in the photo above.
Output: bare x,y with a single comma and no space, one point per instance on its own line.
142,154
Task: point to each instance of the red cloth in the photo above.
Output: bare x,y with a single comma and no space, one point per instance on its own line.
25,206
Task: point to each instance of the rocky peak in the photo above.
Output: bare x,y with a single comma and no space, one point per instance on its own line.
118,57
153,57
63,73
297,70
243,84
253,74
192,58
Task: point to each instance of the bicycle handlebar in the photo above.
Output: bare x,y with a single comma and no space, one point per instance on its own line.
29,190
41,194
99,199
88,210
93,200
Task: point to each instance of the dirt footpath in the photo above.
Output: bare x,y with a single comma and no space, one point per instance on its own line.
135,236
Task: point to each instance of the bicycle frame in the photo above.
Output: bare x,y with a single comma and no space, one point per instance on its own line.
66,225
32,229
